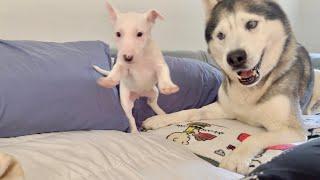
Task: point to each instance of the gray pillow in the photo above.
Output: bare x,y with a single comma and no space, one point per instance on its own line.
49,87
198,81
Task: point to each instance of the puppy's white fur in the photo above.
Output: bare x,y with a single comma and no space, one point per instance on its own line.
138,77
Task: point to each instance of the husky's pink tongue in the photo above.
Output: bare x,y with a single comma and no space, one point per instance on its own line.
246,74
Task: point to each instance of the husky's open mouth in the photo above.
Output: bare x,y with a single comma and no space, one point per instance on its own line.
249,77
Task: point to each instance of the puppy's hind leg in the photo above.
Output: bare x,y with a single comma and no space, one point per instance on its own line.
153,101
127,103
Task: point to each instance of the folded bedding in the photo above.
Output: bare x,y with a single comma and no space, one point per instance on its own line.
95,155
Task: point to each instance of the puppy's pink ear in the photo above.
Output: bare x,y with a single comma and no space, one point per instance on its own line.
113,13
153,15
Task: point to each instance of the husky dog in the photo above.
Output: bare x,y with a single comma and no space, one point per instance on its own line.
140,64
268,80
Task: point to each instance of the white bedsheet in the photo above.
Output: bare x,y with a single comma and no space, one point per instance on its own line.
104,155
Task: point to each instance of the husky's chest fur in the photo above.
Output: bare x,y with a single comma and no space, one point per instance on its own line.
244,104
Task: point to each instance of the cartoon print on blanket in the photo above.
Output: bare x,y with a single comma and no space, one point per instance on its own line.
212,140
198,131
193,129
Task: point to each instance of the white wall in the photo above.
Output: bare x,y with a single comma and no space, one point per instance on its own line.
71,20
292,8
309,32
67,20
304,17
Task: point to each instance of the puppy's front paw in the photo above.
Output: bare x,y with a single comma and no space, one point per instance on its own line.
155,122
107,82
169,89
236,162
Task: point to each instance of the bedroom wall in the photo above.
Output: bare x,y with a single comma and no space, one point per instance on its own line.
69,20
292,8
309,32
303,16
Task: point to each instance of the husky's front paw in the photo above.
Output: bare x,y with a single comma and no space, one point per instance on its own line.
156,122
168,88
107,82
236,162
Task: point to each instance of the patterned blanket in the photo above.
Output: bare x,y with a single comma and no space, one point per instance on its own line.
212,140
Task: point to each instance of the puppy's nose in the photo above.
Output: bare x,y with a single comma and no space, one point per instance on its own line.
127,58
237,58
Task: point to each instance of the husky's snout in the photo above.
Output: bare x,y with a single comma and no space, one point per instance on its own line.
237,59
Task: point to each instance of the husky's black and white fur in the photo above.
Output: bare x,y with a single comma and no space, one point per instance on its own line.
269,78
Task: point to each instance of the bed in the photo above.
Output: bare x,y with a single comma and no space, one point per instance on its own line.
117,155
95,155
98,154
107,155
86,155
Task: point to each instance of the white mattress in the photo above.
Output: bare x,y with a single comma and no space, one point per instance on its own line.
104,155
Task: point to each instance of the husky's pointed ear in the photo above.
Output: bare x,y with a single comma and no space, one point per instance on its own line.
209,5
113,13
153,15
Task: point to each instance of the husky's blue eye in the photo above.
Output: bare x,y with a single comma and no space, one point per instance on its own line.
251,25
221,36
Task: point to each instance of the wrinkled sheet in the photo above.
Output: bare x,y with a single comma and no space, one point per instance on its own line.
104,155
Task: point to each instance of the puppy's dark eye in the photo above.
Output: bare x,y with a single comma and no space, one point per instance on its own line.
251,25
139,34
118,34
221,36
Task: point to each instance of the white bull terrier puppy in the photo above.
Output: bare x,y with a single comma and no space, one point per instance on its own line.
140,65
